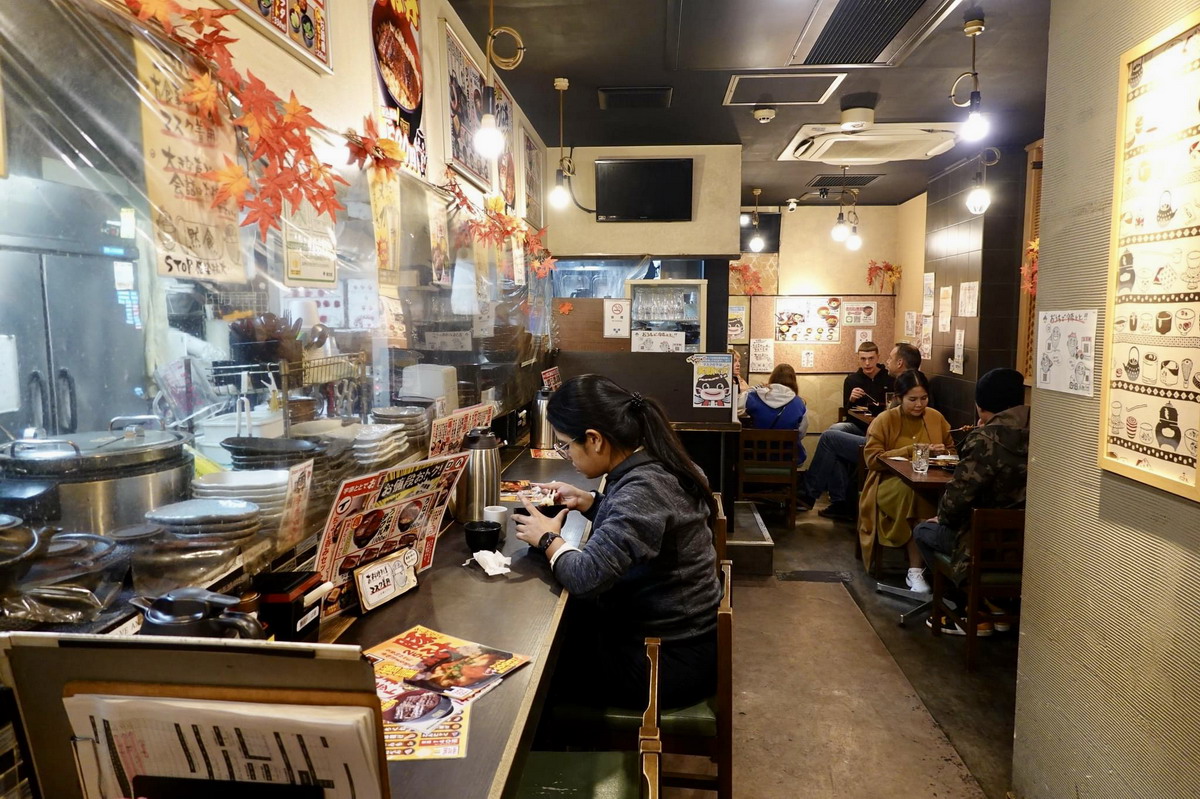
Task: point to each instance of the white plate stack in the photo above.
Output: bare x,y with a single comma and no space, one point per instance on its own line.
265,488
413,418
378,446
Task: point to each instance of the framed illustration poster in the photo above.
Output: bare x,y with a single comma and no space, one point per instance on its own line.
534,186
299,26
506,164
1150,410
465,86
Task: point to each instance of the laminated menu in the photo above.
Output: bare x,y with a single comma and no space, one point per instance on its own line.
426,681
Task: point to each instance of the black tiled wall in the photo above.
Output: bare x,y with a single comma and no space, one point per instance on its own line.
961,247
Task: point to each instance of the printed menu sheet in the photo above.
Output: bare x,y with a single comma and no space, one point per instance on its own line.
1066,350
385,512
1152,384
815,320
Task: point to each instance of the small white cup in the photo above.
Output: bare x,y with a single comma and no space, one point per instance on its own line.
497,513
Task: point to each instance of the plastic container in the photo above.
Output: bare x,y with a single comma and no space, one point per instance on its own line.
432,380
264,423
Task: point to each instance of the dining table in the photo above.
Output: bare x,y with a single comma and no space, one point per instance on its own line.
519,612
861,414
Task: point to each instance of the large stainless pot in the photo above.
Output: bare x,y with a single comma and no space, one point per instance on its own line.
94,482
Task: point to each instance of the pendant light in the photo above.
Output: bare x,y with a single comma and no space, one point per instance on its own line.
757,243
976,126
841,230
560,196
980,198
489,138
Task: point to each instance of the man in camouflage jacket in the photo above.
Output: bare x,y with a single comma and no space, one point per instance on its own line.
991,473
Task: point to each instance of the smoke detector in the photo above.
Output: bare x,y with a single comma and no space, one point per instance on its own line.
857,118
764,114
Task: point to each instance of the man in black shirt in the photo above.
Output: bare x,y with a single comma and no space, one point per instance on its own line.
867,388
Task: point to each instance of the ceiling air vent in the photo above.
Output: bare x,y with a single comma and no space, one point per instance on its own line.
838,181
896,141
867,32
617,98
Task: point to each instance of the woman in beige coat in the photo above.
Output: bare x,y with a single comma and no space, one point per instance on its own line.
888,507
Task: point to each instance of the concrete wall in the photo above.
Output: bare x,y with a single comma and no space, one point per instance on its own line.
716,198
1108,683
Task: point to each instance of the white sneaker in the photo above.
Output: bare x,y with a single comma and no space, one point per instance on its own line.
916,581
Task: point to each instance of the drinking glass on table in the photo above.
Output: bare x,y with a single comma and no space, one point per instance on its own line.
920,458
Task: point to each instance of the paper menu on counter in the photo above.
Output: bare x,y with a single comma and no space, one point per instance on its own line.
445,741
446,433
118,738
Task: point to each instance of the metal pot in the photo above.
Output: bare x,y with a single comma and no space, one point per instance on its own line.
95,481
479,484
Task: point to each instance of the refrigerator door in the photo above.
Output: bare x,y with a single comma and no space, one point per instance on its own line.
97,342
24,369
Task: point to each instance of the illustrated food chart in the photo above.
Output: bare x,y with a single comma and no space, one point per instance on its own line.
1154,384
808,319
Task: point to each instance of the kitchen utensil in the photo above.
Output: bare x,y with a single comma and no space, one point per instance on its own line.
479,484
541,434
196,612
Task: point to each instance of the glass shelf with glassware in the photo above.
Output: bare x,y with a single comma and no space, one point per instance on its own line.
672,305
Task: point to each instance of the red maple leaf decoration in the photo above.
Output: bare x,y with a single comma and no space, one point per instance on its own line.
565,308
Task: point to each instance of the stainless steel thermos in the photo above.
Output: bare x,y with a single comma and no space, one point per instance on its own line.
541,434
479,484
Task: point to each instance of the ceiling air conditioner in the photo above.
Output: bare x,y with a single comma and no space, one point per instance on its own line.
879,144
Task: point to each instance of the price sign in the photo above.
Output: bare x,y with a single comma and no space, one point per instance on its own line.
386,578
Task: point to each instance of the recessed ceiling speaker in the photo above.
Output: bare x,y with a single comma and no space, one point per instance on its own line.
857,118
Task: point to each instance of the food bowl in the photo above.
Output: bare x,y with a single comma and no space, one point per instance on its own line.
546,510
397,56
482,536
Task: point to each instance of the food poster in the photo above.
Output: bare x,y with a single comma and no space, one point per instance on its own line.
193,239
927,287
814,320
309,248
446,434
739,323
379,514
396,39
657,341
762,355
384,188
1066,350
465,87
534,185
300,26
712,380
1152,396
446,740
945,308
506,164
860,314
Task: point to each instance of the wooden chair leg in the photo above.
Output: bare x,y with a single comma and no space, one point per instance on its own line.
971,625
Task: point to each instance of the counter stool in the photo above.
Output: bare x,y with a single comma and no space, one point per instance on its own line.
703,729
603,775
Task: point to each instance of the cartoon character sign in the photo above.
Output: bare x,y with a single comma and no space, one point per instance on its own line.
712,381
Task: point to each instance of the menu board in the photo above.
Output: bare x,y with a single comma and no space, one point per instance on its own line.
1151,403
193,238
814,320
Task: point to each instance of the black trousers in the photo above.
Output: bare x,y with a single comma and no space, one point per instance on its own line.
604,663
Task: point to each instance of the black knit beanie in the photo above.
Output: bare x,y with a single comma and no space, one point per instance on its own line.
999,390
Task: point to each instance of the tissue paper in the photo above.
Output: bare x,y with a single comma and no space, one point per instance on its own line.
492,562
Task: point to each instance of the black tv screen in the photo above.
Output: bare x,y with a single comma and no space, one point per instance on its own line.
644,190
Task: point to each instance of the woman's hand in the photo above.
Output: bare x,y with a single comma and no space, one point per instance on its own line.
531,528
567,494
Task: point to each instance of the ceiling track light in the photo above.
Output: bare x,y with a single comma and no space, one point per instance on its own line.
980,197
757,242
976,125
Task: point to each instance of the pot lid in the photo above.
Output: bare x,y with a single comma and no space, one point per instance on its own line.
93,451
482,438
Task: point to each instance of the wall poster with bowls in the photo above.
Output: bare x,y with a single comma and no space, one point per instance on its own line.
300,26
1150,411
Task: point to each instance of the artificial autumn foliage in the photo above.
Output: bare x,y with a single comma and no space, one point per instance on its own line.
491,225
1029,270
750,279
565,308
885,272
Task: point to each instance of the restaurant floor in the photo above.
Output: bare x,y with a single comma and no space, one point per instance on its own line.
834,699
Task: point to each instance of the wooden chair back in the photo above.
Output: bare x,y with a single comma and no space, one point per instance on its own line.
842,415
767,468
725,685
649,735
997,540
720,529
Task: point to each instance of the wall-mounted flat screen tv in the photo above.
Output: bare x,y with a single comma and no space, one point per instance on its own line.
643,189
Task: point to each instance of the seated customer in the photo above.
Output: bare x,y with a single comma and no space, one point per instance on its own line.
991,472
866,388
649,566
889,507
777,406
835,464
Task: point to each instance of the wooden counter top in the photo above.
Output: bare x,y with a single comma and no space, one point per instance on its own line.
519,612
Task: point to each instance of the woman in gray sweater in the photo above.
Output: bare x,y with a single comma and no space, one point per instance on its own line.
649,566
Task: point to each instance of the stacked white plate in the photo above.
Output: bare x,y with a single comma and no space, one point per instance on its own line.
265,488
227,519
413,418
379,445
326,428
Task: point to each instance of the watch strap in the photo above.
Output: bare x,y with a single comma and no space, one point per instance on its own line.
546,540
